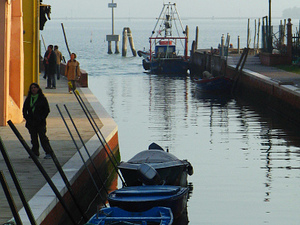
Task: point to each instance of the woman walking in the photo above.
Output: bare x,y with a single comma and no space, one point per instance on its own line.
72,71
35,112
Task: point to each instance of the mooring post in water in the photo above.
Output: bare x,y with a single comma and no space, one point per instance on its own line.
124,42
196,38
248,33
127,33
238,45
130,38
16,182
117,51
109,48
222,45
186,42
9,198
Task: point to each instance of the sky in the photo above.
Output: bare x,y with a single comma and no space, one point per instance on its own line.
152,8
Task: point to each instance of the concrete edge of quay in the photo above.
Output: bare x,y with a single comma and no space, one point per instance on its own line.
44,201
281,97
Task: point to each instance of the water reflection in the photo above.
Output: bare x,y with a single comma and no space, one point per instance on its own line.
242,155
212,99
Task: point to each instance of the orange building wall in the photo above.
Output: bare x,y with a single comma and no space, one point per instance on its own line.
11,61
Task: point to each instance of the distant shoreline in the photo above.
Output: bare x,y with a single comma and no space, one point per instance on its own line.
151,18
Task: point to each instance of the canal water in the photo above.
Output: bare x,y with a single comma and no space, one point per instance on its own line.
246,159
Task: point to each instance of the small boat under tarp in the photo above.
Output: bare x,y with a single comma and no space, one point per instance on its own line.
170,170
142,198
115,215
214,84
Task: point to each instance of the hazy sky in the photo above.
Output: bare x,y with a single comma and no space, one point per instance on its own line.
152,8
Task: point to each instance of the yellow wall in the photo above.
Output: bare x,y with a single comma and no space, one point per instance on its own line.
31,42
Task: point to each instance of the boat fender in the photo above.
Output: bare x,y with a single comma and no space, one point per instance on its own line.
148,175
190,169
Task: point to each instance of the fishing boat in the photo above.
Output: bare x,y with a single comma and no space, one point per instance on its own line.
214,84
165,168
163,57
142,198
114,215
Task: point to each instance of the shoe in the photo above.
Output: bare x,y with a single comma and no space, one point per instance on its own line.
44,77
53,88
70,92
48,87
48,156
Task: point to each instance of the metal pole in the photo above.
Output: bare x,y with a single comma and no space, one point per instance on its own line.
112,20
10,199
78,150
42,170
66,41
17,184
87,152
90,118
68,185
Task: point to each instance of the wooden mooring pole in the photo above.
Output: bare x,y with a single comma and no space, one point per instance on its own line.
127,33
124,42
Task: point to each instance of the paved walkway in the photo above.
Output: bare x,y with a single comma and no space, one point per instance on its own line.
29,176
277,75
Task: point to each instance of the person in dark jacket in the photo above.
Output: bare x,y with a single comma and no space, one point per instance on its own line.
35,112
50,67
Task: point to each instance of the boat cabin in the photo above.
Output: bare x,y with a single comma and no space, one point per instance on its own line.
165,51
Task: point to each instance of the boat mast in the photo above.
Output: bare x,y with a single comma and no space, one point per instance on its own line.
153,32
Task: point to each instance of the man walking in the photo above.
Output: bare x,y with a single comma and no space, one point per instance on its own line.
58,60
50,70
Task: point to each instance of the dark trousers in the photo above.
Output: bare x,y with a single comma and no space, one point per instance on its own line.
58,71
51,82
39,132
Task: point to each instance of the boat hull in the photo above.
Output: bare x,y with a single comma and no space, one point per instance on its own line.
170,169
216,84
142,198
113,215
176,66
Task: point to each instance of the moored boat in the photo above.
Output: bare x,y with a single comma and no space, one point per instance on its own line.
115,215
214,84
163,55
142,198
170,170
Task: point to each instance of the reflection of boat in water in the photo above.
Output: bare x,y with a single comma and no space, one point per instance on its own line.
115,215
170,169
163,55
217,99
142,198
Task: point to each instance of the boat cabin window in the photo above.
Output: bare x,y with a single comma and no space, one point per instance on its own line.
165,51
